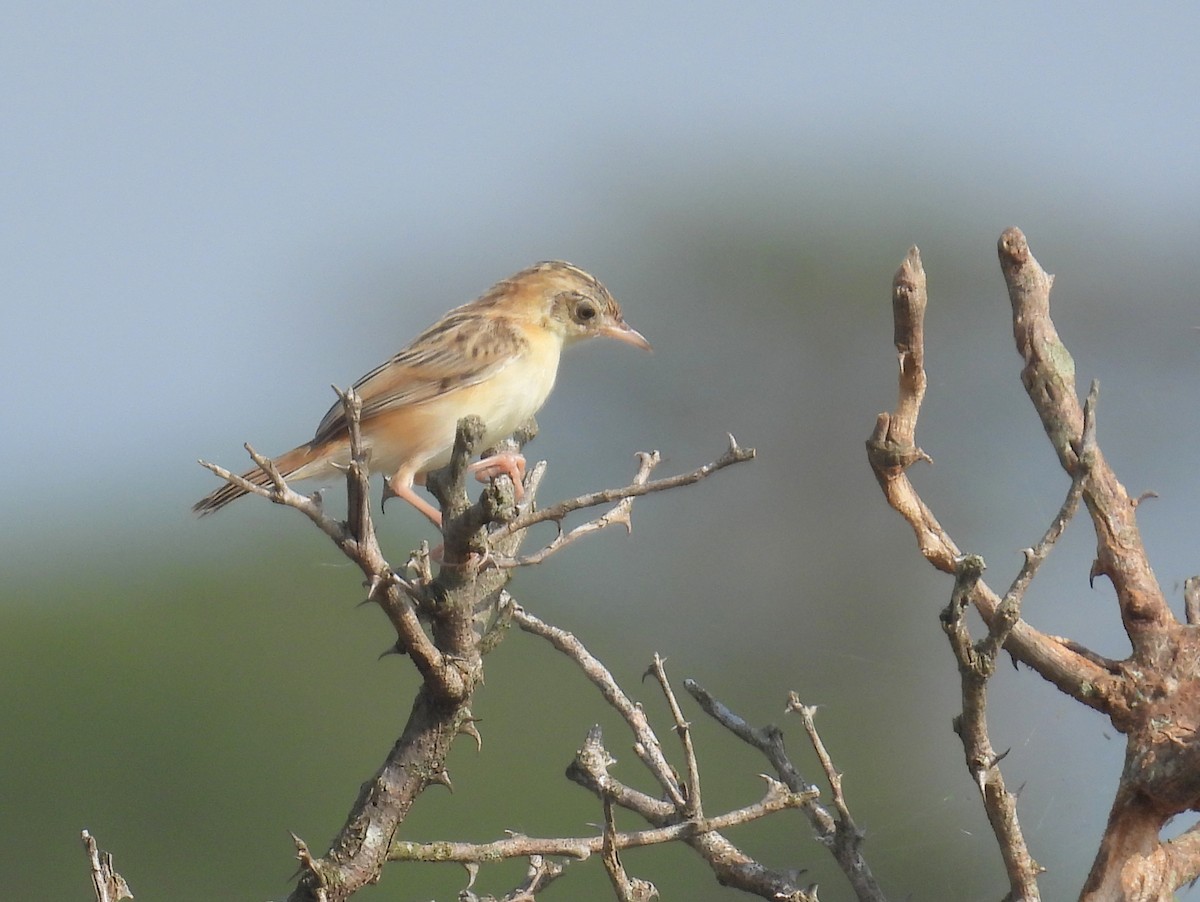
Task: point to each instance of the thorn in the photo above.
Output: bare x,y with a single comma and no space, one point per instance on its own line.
395,649
387,495
1142,497
467,728
774,787
472,868
442,777
307,862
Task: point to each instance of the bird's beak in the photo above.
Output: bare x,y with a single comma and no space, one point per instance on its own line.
626,333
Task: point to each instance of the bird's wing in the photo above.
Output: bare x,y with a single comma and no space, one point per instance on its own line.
464,348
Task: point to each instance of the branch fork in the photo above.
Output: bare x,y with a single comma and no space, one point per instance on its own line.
445,622
1158,685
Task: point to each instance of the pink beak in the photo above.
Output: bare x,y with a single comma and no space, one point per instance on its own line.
626,333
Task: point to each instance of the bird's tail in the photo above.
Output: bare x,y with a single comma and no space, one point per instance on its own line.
299,463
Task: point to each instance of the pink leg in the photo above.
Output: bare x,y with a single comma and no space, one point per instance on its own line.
401,486
509,464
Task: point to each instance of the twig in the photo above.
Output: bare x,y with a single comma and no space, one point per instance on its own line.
451,666
731,865
1152,696
734,455
1035,556
646,744
356,539
619,514
628,889
1049,380
976,663
808,715
694,807
842,838
108,885
777,798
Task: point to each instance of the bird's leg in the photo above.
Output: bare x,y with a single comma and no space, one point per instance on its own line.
401,486
508,463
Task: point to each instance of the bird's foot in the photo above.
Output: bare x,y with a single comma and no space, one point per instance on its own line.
509,463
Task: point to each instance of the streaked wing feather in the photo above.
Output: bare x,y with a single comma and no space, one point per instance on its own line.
464,348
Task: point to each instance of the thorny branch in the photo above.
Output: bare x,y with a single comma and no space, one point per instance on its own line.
541,873
778,798
556,512
627,889
1153,697
592,763
446,623
621,514
843,839
892,449
976,664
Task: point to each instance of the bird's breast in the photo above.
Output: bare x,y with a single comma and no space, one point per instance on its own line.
420,436
518,390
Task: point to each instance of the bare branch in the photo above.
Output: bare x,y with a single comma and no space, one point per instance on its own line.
647,745
627,889
976,665
777,798
731,865
1035,556
450,663
694,806
590,769
808,715
1182,854
619,514
891,449
108,885
355,538
736,454
1049,380
843,839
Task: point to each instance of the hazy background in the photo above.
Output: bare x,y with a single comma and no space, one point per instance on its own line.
213,211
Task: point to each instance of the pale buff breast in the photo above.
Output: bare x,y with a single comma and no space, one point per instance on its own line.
420,437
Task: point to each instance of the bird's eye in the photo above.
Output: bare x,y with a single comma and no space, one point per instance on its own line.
585,310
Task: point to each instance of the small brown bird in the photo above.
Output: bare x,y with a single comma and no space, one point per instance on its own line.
496,357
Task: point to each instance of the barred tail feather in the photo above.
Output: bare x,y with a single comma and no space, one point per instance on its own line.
289,465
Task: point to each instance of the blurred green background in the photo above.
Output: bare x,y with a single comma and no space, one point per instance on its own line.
213,211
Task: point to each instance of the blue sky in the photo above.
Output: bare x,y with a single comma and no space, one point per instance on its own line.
181,179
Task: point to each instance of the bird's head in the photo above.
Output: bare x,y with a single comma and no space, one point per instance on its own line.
572,303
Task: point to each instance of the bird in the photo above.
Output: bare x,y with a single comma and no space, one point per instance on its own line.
496,357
